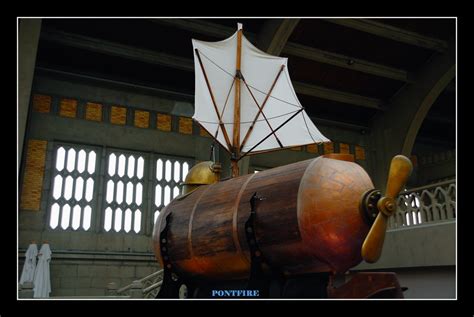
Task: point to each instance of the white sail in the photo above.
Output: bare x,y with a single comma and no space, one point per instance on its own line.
215,71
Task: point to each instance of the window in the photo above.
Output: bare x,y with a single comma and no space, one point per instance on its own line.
128,188
124,192
170,173
73,188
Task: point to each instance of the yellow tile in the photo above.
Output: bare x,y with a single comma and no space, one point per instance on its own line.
344,148
185,125
68,108
203,132
328,148
33,176
312,148
118,115
41,103
359,153
142,119
163,122
93,111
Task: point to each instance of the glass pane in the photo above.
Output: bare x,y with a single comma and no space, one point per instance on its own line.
54,219
112,163
118,220
176,171
137,222
128,220
159,169
68,187
168,171
71,160
89,189
121,165
158,195
79,188
87,218
65,216
57,187
110,191
76,217
108,219
140,165
185,170
119,195
131,166
61,154
167,195
175,191
129,195
91,162
81,161
138,194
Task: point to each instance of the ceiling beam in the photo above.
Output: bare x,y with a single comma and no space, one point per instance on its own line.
348,62
116,83
203,27
274,35
393,33
291,48
340,124
116,49
336,95
185,64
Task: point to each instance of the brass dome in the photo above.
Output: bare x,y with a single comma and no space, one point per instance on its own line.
203,173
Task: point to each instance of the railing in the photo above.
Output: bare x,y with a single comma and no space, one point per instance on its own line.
146,287
426,204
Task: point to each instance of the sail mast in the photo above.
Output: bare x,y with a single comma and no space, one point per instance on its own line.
236,134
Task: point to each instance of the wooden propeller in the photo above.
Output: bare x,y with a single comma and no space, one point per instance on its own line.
400,170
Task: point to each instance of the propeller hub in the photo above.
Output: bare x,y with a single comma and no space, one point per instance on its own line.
387,206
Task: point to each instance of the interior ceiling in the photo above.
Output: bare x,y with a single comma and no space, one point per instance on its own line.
339,93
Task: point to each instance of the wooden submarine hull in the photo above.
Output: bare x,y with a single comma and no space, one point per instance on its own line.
308,222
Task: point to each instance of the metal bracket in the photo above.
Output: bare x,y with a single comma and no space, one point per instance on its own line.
171,281
257,279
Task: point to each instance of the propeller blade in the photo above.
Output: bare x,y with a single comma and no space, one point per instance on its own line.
400,170
373,244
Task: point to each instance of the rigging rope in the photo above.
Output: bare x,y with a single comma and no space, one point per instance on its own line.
241,122
260,91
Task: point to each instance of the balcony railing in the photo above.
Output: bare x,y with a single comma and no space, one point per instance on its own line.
425,205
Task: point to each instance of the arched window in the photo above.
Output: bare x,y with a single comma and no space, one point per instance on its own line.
170,173
124,181
73,184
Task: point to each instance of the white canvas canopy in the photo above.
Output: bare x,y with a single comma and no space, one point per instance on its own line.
265,84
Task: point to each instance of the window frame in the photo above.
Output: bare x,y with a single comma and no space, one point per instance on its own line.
93,203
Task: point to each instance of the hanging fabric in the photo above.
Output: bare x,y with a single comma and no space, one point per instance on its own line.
28,272
42,280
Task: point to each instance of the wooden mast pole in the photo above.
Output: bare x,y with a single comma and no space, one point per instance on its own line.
236,134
